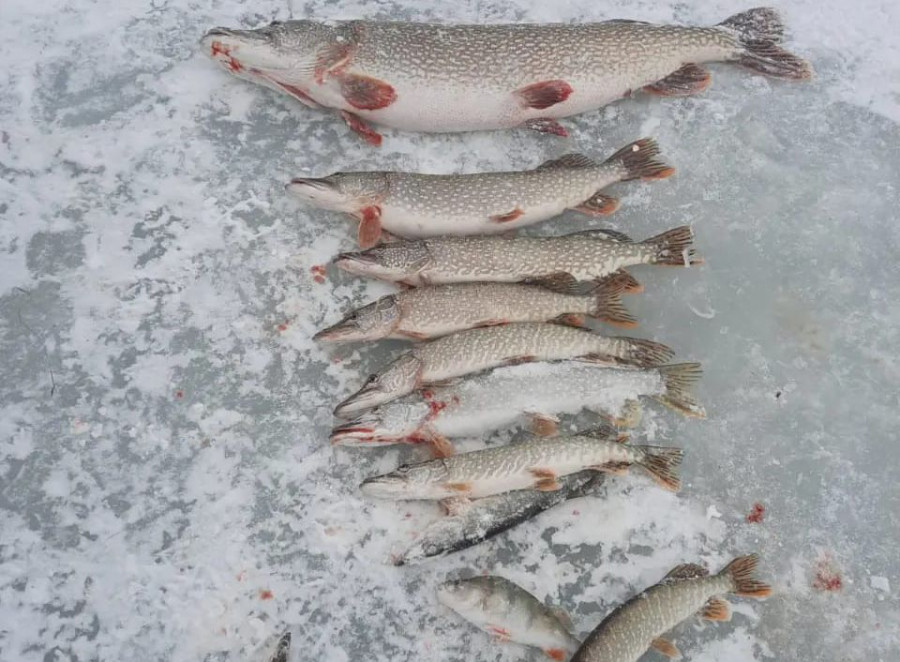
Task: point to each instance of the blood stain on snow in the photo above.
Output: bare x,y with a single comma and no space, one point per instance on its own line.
827,576
266,594
282,327
755,516
179,394
318,272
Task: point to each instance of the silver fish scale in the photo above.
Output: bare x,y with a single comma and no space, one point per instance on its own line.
518,258
495,193
625,635
477,349
463,305
506,57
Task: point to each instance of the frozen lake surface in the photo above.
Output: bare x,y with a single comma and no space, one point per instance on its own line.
167,491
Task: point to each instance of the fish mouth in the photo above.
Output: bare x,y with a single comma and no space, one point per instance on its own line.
360,263
246,53
344,331
298,184
369,396
387,486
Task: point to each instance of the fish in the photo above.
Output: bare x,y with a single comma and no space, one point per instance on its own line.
636,626
557,263
537,463
508,612
278,649
445,78
475,350
485,518
535,392
425,313
414,205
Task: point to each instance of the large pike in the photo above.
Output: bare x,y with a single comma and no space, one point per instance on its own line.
423,313
430,77
485,518
503,397
475,350
508,612
638,625
555,262
537,463
415,205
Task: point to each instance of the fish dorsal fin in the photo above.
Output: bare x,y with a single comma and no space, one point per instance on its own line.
601,233
625,21
573,160
563,617
686,571
561,282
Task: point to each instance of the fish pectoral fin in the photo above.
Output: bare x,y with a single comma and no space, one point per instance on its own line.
366,93
615,468
543,425
508,216
500,634
686,571
333,59
369,233
665,647
572,319
456,505
521,358
716,610
361,128
545,479
690,79
562,282
440,445
563,617
546,125
462,488
544,94
598,204
555,654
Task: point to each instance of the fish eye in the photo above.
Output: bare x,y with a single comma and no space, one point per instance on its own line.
403,468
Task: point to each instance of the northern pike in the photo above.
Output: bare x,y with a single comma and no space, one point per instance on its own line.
537,463
475,350
414,205
423,313
503,397
638,625
558,263
485,518
436,78
508,612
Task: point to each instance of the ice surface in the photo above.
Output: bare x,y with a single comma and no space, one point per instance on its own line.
166,491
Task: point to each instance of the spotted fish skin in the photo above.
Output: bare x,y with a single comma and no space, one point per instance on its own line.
632,628
429,77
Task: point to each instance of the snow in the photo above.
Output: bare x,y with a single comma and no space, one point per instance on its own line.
166,489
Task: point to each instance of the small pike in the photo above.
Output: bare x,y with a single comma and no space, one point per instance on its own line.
485,518
417,205
538,464
424,313
475,350
558,263
638,625
536,391
433,77
508,612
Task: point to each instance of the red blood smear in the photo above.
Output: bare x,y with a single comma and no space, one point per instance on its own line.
179,394
756,513
266,594
319,279
576,512
317,269
282,327
827,578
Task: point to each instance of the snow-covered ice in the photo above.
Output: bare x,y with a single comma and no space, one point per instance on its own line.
166,489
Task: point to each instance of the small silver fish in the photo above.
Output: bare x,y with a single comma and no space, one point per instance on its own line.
423,313
475,350
432,77
463,527
558,263
537,463
508,612
407,204
638,625
536,391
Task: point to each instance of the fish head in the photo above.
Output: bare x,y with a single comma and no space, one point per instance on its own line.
393,423
347,192
461,595
394,261
282,51
377,320
405,482
400,377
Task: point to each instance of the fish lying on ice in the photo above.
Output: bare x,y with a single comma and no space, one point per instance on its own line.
508,612
537,463
483,519
423,313
415,205
475,350
558,263
431,77
638,625
537,392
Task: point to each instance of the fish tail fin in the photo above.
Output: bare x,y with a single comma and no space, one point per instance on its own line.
636,161
673,247
646,353
743,582
662,464
608,306
679,380
759,32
